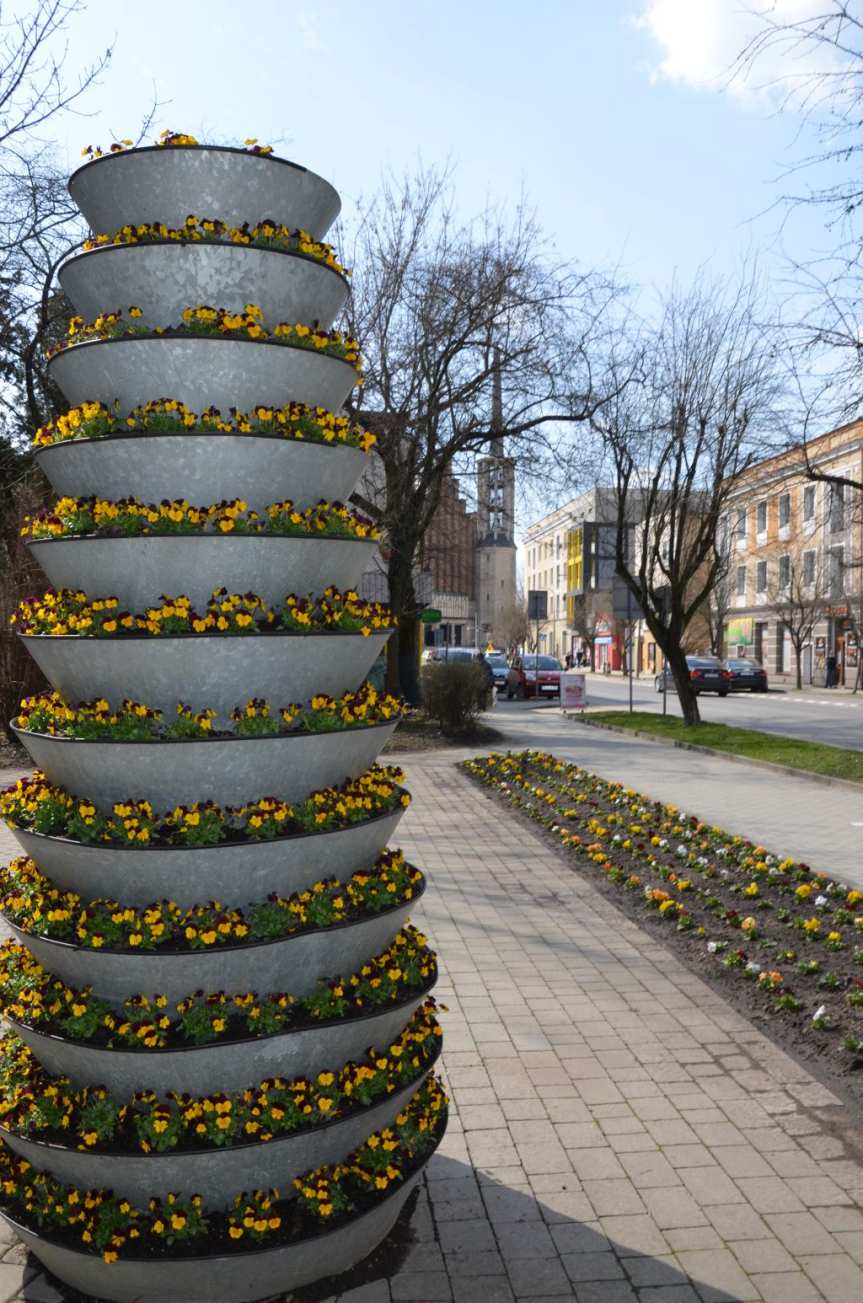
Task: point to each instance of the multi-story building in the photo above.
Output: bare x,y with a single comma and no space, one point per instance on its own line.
792,541
569,555
467,563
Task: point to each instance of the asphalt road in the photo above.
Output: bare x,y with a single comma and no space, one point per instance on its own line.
818,824
835,717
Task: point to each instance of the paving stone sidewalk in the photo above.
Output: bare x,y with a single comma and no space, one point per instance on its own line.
618,1132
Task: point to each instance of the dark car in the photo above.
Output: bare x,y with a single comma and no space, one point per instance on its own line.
706,673
534,676
499,668
746,676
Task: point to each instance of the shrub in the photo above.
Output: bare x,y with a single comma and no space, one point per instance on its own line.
451,693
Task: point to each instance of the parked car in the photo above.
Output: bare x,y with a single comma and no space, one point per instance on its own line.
746,676
707,673
534,676
499,669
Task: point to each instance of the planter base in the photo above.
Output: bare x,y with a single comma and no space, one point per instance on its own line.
241,1278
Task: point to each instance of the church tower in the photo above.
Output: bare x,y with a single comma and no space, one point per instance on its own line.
496,550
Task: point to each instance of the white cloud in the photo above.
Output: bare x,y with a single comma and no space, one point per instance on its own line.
700,40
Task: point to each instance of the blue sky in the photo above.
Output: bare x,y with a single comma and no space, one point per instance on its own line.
608,113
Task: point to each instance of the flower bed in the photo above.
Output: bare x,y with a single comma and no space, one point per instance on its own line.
793,935
205,322
36,1105
32,998
96,517
48,714
66,612
170,416
101,1223
32,903
168,139
36,806
265,234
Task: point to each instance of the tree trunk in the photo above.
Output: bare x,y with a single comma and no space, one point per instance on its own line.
403,650
798,659
686,693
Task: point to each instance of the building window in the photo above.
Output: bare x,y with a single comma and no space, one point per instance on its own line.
761,518
836,576
780,649
809,502
809,569
784,510
784,572
761,577
837,508
741,581
740,525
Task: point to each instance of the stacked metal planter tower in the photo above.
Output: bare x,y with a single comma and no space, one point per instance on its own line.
209,671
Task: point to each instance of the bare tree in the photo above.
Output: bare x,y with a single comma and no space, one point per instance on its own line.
439,306
513,622
798,593
692,396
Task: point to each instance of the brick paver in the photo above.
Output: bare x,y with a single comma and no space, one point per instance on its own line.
618,1133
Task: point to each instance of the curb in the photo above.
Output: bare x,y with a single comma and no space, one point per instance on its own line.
825,780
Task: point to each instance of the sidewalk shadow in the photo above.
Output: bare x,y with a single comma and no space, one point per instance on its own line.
469,1237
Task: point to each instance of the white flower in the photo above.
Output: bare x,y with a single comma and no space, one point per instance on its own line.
752,967
663,842
682,851
713,946
821,901
725,873
819,1013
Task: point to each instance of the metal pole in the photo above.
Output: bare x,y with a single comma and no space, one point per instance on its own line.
630,627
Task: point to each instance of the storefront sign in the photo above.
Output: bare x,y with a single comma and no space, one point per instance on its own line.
740,632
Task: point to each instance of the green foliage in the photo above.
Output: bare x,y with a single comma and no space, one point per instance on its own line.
451,693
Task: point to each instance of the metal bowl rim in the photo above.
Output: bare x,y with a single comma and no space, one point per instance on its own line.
151,336
217,149
418,994
201,244
50,1145
171,741
166,953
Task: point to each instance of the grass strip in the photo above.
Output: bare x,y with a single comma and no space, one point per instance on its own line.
748,743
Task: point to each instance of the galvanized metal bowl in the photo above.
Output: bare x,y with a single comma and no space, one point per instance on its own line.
205,670
137,571
222,1173
226,1066
163,279
233,873
295,963
243,1278
232,185
229,771
203,468
201,371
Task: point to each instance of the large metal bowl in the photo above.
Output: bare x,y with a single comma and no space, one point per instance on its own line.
203,468
226,1066
222,1173
205,670
229,771
137,571
241,1278
201,371
164,279
167,185
292,964
233,873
